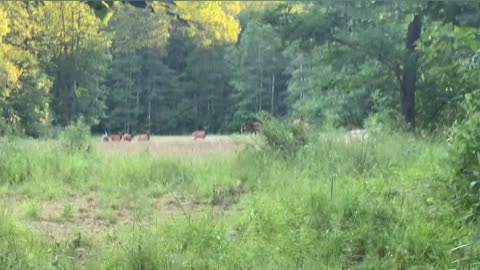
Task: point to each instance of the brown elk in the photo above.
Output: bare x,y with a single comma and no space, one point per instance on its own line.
199,134
143,137
128,137
116,137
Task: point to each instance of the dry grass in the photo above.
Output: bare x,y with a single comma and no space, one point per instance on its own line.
180,145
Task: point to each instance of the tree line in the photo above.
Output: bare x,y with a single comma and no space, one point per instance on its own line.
169,69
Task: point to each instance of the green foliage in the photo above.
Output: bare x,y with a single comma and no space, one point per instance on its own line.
32,211
19,249
140,71
256,65
383,118
389,206
296,200
465,153
76,137
5,128
283,137
67,213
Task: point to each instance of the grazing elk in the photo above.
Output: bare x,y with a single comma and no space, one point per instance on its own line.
143,137
356,134
200,134
128,137
116,137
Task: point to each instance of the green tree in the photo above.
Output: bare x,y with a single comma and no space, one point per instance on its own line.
79,61
25,86
257,66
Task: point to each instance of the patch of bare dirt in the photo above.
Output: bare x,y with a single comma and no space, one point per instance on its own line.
85,216
176,204
11,197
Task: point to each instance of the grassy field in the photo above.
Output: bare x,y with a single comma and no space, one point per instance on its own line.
180,145
172,203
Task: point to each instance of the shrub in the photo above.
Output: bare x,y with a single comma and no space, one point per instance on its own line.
284,138
464,146
385,121
75,137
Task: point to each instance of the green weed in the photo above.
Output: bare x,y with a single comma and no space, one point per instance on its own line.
389,206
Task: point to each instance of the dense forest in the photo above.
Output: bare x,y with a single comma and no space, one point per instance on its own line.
168,69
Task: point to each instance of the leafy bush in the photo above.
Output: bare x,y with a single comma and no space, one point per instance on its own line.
5,129
464,146
282,137
76,137
385,121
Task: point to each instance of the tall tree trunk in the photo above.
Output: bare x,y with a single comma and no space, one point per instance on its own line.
260,65
273,93
409,78
65,95
75,41
302,78
137,109
212,97
149,114
127,96
150,106
195,110
256,97
261,90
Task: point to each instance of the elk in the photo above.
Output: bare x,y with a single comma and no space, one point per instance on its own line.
202,133
128,137
356,134
116,137
143,137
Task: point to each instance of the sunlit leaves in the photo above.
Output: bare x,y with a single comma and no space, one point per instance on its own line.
211,22
135,28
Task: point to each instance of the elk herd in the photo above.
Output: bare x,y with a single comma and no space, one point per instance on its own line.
252,128
127,137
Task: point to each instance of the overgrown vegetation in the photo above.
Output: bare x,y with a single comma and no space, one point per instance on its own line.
381,203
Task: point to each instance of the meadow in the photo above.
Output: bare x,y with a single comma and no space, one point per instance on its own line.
231,202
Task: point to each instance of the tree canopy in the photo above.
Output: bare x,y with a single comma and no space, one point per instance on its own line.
167,67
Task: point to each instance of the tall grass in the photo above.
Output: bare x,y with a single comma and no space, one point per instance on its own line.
379,204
